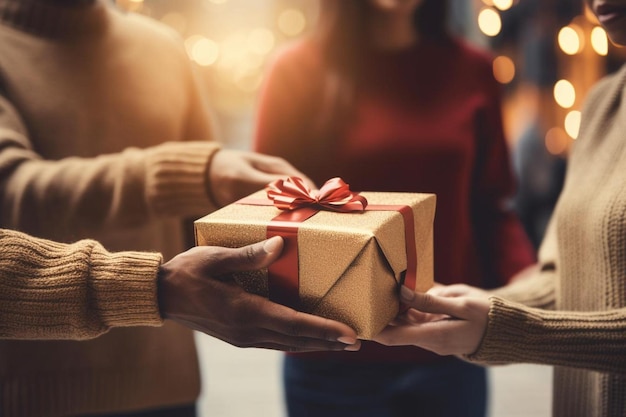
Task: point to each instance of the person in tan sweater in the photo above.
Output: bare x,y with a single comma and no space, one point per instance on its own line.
570,311
105,134
80,291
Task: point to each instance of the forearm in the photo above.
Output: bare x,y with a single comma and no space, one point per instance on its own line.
594,341
116,190
50,290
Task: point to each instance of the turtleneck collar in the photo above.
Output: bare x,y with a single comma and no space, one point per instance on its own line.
55,18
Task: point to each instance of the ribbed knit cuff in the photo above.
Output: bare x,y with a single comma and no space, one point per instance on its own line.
78,291
518,334
176,178
124,287
533,291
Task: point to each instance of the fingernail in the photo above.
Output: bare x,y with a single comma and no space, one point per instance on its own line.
407,294
272,244
347,340
353,348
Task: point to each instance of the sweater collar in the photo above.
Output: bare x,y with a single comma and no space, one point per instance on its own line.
55,19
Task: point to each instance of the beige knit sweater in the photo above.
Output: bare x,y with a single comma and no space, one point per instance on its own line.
51,290
584,261
94,104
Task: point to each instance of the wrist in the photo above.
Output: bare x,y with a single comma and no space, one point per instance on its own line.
162,276
207,179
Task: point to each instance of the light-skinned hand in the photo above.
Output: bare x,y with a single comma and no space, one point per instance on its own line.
447,325
235,174
458,290
196,290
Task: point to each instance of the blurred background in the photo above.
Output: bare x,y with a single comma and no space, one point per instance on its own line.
538,47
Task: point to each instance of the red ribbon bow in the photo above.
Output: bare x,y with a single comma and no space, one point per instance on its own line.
335,195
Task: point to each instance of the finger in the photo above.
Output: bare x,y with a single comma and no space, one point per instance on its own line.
274,165
284,320
281,168
400,336
449,290
266,338
429,303
413,316
314,346
248,258
440,337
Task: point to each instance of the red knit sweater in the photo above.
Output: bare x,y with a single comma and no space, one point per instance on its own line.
426,119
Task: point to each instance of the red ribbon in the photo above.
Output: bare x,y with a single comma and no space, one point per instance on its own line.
299,203
335,195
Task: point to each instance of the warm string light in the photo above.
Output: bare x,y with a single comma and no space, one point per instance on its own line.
503,4
564,94
489,22
572,40
572,123
599,41
503,69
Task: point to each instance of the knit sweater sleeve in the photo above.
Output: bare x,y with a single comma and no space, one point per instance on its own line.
50,290
590,340
536,286
119,189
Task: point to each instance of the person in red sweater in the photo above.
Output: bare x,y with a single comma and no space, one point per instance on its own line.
383,96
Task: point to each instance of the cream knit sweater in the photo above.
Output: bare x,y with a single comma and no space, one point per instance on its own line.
94,106
584,275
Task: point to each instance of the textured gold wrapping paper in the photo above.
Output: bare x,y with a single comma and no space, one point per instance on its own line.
349,263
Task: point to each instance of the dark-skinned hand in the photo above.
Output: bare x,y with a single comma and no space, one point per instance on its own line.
195,290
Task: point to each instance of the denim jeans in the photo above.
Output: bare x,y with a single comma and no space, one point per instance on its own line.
453,388
177,411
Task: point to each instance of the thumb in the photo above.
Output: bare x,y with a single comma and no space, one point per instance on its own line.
429,303
252,257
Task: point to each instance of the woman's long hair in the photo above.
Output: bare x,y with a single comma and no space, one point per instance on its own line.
341,37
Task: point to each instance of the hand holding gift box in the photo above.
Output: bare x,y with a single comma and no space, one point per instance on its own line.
345,253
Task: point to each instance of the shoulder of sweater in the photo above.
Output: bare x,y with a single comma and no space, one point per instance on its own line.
143,26
604,89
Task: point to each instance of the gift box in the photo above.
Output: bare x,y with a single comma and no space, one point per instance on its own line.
343,259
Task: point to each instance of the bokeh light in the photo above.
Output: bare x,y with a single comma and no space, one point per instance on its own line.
564,94
503,69
205,52
556,141
489,22
503,4
572,123
291,22
599,41
570,39
190,42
